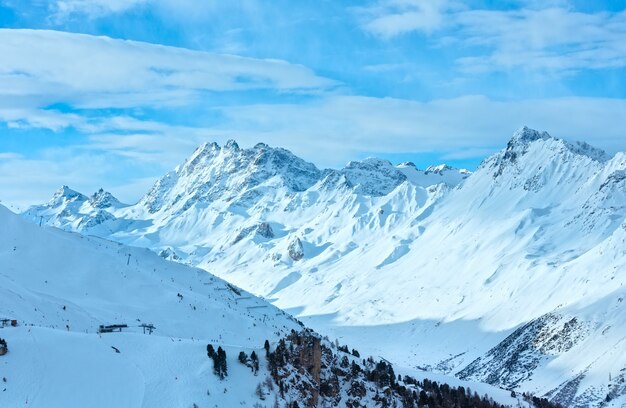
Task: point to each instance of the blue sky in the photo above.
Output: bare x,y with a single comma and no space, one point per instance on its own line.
114,93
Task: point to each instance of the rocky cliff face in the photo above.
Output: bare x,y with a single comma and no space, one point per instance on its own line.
262,229
103,199
514,360
553,339
306,368
295,249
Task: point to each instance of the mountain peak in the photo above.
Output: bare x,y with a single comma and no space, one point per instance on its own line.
103,199
370,163
231,145
525,135
545,147
208,147
439,169
203,150
68,194
232,174
374,177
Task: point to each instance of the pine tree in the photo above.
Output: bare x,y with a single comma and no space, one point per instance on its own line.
255,362
266,346
423,399
3,347
216,364
355,369
259,392
210,351
222,370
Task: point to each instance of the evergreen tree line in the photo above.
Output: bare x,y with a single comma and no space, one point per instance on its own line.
435,395
412,393
219,360
540,402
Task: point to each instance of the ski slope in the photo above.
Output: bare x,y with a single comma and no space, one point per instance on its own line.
61,286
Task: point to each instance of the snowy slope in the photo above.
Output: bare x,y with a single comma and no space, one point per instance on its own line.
450,263
62,286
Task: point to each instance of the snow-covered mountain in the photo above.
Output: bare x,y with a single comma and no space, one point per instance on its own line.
508,275
66,292
72,210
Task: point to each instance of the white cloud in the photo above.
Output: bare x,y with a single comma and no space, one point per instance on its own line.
165,148
539,36
46,67
10,156
63,9
552,39
389,18
31,117
339,128
25,181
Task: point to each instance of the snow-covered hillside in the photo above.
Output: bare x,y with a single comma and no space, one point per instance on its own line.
435,268
61,288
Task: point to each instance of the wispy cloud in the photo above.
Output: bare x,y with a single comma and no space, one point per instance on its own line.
544,36
61,10
102,88
334,129
31,116
553,39
88,71
10,156
389,18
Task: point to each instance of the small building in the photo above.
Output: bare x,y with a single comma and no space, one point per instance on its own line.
111,328
8,322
